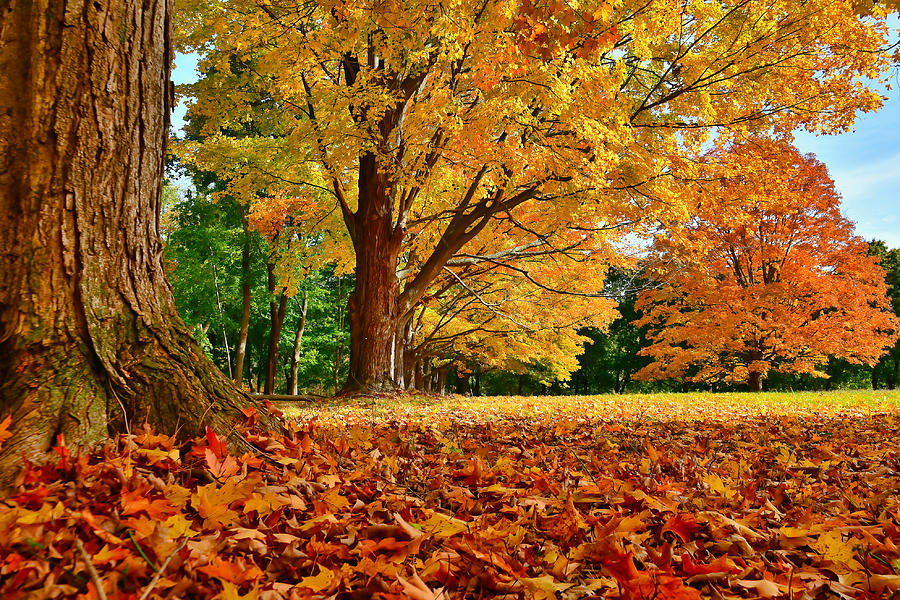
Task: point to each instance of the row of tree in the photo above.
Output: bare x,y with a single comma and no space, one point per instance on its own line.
477,161
497,156
765,281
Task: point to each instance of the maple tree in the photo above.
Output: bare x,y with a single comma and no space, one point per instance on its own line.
90,341
519,127
766,275
490,315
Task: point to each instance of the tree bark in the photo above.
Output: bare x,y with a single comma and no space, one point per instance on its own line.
241,350
298,341
90,341
427,376
277,311
755,381
442,380
372,307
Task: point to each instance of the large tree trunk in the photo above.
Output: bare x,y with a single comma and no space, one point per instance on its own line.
755,381
90,341
241,350
373,310
298,341
442,380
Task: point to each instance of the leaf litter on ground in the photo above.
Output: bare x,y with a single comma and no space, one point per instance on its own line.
641,497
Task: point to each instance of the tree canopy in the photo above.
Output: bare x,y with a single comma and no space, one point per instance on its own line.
500,131
766,275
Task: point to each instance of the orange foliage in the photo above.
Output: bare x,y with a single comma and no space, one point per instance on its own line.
766,275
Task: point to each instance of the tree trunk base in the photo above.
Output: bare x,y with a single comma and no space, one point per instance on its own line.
66,390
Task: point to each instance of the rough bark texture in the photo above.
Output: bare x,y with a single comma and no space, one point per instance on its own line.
241,350
373,310
90,341
298,341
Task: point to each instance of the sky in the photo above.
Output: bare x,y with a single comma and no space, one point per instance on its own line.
865,166
864,163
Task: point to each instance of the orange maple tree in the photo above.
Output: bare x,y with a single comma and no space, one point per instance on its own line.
766,275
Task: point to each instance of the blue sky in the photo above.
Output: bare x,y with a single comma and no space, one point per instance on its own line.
865,166
864,163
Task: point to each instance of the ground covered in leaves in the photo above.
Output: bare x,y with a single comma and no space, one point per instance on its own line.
679,497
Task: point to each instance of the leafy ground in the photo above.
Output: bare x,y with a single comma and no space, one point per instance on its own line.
672,496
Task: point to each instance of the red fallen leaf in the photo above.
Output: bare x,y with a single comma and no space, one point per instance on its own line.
61,449
252,415
685,526
658,586
472,471
272,409
720,565
217,447
621,567
14,560
136,501
220,468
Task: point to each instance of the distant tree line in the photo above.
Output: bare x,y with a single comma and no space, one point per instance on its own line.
213,257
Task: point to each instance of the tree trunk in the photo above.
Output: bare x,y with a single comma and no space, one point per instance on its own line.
372,307
442,380
755,381
241,350
90,341
462,384
298,340
277,311
427,376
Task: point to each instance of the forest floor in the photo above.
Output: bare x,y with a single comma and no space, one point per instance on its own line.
680,496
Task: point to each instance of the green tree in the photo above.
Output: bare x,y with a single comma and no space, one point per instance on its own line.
887,372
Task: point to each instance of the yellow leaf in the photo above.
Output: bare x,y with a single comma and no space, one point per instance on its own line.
544,588
840,553
334,500
320,582
442,526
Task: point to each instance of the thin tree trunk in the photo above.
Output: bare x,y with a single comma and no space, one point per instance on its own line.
90,341
241,350
463,384
298,341
222,316
277,311
427,376
442,380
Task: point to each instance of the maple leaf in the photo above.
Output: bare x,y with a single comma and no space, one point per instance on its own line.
685,526
324,580
5,434
231,572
